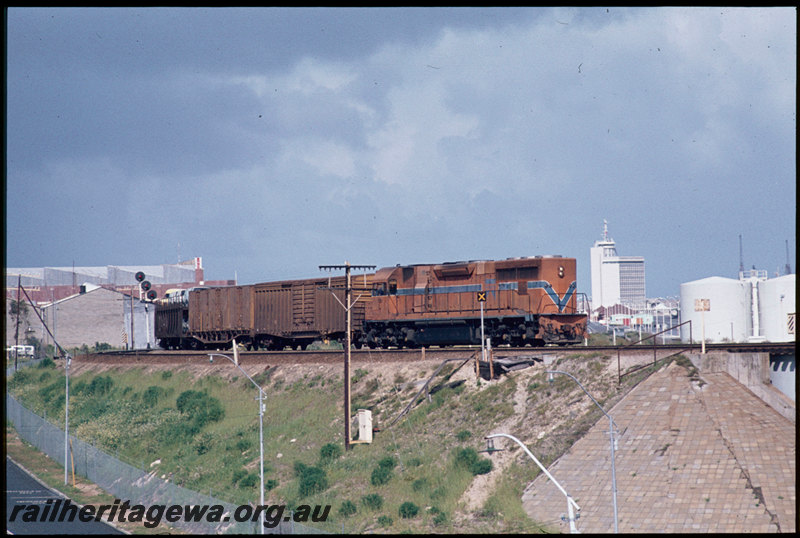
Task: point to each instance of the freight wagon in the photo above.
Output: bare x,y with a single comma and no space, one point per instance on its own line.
270,315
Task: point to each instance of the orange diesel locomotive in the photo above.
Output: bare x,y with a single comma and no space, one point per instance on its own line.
526,301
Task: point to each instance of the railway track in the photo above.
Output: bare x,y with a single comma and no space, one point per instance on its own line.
409,355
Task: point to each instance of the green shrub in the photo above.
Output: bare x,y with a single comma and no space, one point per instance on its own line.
238,474
249,481
440,519
385,521
373,501
312,479
387,462
101,385
47,362
419,484
465,457
463,435
381,476
408,510
329,452
203,443
200,408
21,377
347,509
243,444
166,374
176,433
439,493
48,392
152,394
271,484
482,466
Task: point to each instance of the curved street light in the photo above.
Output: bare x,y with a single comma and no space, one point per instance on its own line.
260,424
570,502
611,425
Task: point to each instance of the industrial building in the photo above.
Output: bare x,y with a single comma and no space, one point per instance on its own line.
750,309
86,306
616,280
48,284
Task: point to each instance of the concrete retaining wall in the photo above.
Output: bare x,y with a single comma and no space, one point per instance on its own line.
752,371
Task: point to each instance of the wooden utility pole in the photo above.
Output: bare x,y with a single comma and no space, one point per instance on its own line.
348,304
16,334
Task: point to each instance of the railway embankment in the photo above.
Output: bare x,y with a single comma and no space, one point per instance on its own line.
429,457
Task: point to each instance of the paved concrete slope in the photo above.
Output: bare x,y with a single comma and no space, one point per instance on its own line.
694,456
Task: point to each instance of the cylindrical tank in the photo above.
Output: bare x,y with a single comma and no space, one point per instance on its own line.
727,320
776,299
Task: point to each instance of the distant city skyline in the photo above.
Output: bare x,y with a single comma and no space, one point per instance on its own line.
270,141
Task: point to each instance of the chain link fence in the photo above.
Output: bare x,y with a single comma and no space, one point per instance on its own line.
127,482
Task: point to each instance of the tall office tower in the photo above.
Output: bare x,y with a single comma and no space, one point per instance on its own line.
616,279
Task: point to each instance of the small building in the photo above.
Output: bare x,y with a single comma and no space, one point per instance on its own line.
94,316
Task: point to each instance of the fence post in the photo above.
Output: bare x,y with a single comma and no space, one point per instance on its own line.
654,351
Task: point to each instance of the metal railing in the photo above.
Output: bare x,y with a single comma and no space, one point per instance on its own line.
688,347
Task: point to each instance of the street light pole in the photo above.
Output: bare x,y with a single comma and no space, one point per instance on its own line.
67,360
260,425
611,439
570,502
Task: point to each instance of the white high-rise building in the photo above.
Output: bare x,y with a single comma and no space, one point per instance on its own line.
616,279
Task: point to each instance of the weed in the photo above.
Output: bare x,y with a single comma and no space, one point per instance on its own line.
358,375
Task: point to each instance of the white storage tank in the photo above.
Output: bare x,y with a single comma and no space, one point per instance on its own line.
728,319
776,299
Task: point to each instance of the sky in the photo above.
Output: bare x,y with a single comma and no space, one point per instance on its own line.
269,141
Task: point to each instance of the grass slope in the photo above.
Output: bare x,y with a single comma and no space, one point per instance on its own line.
203,429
